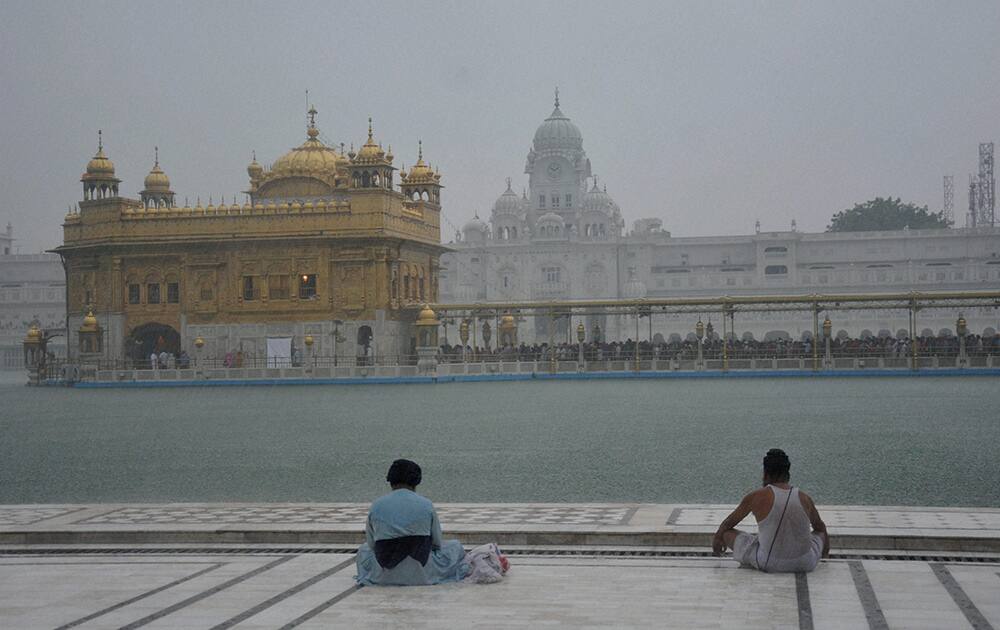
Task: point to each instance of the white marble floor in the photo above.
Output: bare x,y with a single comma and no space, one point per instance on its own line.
316,590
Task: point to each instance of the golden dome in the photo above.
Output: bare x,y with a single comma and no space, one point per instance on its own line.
100,166
312,157
427,317
421,171
157,180
89,322
507,322
254,170
371,151
34,334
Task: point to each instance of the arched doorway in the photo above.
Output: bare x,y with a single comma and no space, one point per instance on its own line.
364,352
149,338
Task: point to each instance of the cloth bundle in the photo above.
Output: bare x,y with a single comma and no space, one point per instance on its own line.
487,563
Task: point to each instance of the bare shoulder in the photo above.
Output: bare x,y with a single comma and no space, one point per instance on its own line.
755,497
806,500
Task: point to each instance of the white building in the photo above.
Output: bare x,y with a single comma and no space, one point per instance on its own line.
565,239
32,290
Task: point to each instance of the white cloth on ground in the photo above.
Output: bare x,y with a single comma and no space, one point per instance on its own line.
488,564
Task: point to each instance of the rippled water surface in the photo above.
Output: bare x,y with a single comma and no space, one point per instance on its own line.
886,440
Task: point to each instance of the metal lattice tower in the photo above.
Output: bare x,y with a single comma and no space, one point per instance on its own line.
986,197
948,209
970,218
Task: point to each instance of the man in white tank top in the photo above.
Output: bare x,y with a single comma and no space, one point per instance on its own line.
791,536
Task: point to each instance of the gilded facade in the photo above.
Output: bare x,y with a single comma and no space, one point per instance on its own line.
328,244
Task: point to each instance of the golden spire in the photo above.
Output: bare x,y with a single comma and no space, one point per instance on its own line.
312,132
100,141
557,96
370,139
156,156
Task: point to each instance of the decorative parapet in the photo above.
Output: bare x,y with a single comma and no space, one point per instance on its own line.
124,221
288,208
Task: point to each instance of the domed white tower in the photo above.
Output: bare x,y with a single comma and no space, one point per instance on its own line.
557,168
508,216
475,231
600,217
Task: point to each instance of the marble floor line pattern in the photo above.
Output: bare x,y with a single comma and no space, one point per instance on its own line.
288,590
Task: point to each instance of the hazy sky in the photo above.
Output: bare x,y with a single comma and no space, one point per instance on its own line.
708,115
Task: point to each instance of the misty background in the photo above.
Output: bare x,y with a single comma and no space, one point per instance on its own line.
708,115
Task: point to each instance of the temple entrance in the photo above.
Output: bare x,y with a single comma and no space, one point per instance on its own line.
150,338
364,348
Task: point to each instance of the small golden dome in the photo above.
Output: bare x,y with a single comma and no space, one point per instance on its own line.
34,334
254,170
100,166
427,317
89,322
507,322
371,151
157,180
421,171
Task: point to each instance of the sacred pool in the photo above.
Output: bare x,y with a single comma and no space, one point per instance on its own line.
880,440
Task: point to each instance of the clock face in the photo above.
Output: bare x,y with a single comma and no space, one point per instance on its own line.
554,170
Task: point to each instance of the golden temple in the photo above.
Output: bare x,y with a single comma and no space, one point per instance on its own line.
327,246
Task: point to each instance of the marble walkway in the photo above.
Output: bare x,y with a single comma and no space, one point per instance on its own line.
79,566
854,527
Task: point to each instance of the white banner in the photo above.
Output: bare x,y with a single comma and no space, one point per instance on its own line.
279,352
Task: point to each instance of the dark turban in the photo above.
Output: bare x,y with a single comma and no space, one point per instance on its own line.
776,464
405,472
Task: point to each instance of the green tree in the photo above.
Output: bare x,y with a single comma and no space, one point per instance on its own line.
886,214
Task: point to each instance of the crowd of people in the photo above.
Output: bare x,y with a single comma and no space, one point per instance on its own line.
885,346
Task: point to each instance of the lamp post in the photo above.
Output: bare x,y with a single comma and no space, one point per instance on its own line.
699,331
827,330
336,339
427,340
199,343
308,340
463,336
581,334
487,335
508,331
961,329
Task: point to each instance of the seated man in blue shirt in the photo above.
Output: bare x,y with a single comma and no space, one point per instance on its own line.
403,544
